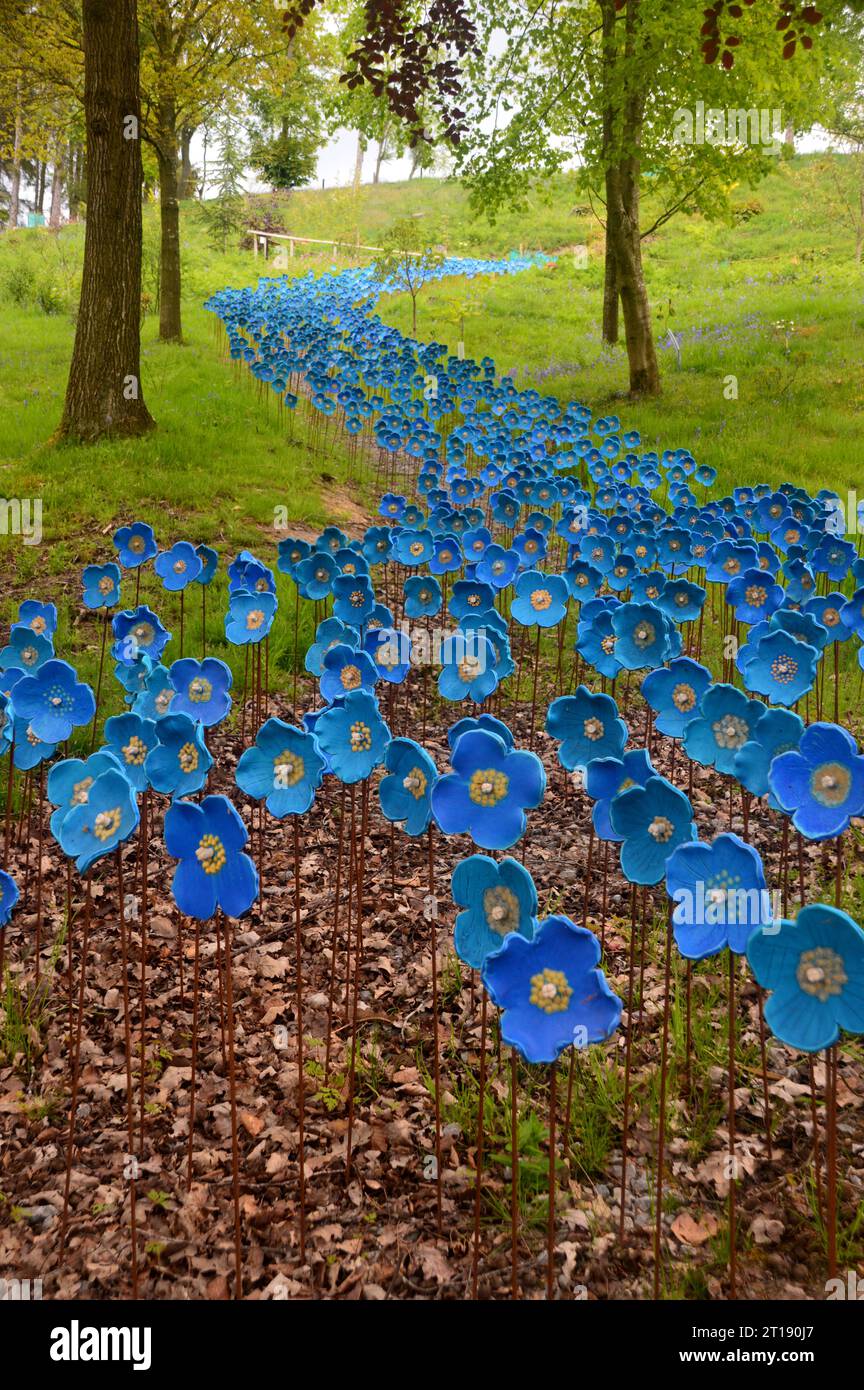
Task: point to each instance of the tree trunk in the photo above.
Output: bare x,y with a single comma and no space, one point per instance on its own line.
39,194
382,153
15,184
56,187
103,394
186,188
627,247
358,161
74,177
170,327
610,276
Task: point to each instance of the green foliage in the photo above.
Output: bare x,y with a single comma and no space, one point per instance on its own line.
286,161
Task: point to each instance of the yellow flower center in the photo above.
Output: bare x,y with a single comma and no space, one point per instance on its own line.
254,619
661,829
188,758
550,991
107,823
350,677
200,690
821,973
830,784
487,787
501,908
135,751
288,768
541,599
211,854
360,736
415,783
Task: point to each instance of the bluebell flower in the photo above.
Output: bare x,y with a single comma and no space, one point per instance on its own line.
406,793
202,689
780,667
314,575
652,821
179,763
27,651
213,871
776,731
587,726
720,896
107,818
284,767
725,722
541,599
130,738
8,896
136,631
488,791
674,693
249,617
209,561
40,618
479,721
551,990
178,566
135,544
101,585
422,596
814,969
496,899
344,669
352,736
354,598
821,783
606,777
54,701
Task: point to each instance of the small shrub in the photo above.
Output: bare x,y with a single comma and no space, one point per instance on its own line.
19,283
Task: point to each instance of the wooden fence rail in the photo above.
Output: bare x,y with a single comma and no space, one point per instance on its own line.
260,238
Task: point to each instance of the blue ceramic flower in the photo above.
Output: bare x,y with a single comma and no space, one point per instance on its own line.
422,596
486,794
209,561
645,636
821,784
781,667
606,777
154,700
291,552
332,632
587,726
467,667
390,651
202,689
8,896
249,617
674,692
344,669
551,990
284,767
354,598
101,585
776,731
70,780
352,736
54,701
720,896
178,566
135,544
27,651
725,723
40,618
208,839
541,599
470,597
179,763
479,721
406,794
814,968
30,750
497,567
754,596
130,738
652,821
496,899
97,826
138,630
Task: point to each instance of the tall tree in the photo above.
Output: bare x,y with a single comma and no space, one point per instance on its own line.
103,394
